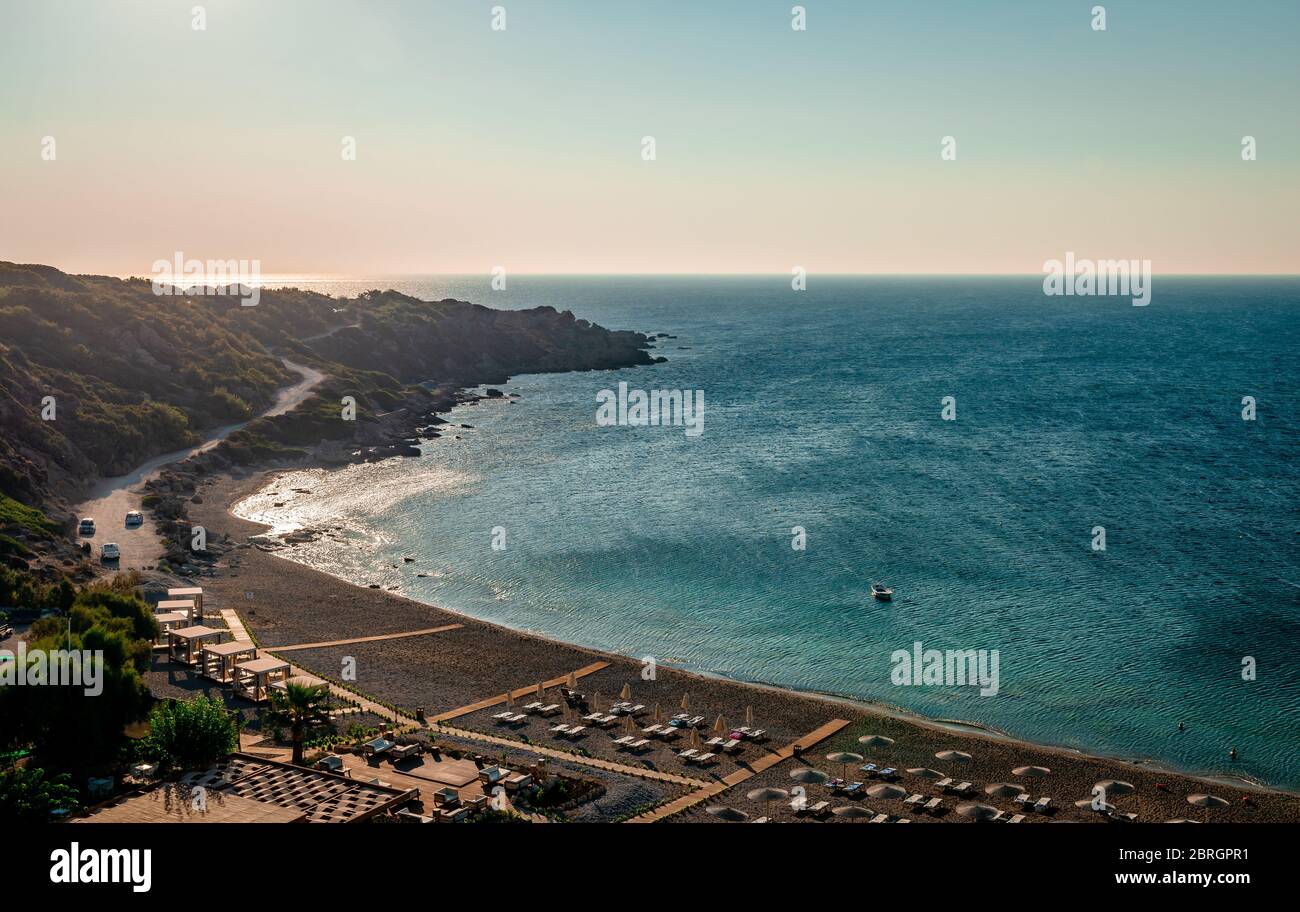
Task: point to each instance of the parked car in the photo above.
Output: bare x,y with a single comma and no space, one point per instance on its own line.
134,518
86,526
110,551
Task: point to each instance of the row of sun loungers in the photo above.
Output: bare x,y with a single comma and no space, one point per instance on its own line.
701,758
542,709
1041,806
563,730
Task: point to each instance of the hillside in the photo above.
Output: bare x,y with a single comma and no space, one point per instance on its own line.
134,375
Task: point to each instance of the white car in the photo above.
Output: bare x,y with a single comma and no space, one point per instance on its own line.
134,518
86,526
110,551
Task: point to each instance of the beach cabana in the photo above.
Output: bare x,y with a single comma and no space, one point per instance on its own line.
170,620
255,679
194,593
218,660
185,644
187,606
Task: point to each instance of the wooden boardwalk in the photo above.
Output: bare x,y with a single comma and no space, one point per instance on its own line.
515,694
767,761
367,639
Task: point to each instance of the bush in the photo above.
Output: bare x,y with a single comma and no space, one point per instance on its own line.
191,735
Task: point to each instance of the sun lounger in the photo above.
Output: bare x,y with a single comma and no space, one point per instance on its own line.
962,789
852,788
576,730
549,710
536,704
943,783
880,818
902,820
869,770
687,754
732,745
820,809
624,741
933,806
1042,805
705,759
1022,799
915,799
451,815
889,773
760,820
523,780
561,729
1018,818
999,817
715,742
591,717
668,733
639,744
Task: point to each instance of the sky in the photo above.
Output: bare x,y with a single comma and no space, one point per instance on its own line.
773,148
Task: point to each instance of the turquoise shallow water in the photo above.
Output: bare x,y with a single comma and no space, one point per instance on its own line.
823,411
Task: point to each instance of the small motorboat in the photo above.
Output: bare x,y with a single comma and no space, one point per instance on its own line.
881,592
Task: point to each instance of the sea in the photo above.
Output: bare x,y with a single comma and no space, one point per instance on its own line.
1106,495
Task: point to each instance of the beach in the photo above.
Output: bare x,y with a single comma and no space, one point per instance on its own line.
468,662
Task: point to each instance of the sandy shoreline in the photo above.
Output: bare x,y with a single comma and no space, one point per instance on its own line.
287,603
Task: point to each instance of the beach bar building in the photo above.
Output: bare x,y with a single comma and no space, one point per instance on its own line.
185,644
255,679
168,621
194,593
219,659
166,606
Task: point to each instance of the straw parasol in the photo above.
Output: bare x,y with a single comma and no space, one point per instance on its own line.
727,813
1208,802
846,758
977,811
924,772
809,776
768,795
626,692
852,812
541,689
573,681
1002,790
720,727
886,791
1030,772
953,756
695,738
1105,808
629,725
595,702
749,715
875,741
658,715
686,701
510,698
1115,787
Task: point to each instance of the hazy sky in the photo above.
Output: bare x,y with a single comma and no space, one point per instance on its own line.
775,148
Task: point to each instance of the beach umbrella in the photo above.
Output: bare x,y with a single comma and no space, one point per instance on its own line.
695,738
686,701
510,698
853,812
541,689
749,715
768,795
809,776
1030,772
1002,790
727,813
848,759
573,681
953,756
977,811
720,727
924,772
629,725
1207,801
658,715
1087,803
875,741
1115,787
888,792
595,702
626,692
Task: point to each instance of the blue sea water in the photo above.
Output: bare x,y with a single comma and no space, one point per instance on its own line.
823,410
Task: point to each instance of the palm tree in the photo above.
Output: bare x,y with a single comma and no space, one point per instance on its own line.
300,708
